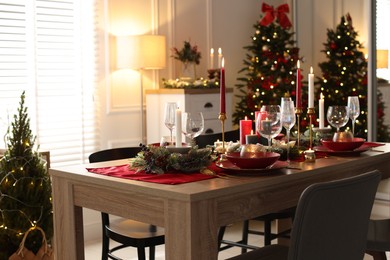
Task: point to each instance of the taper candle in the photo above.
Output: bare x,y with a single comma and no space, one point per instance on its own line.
321,112
222,89
212,58
178,128
298,93
311,88
219,57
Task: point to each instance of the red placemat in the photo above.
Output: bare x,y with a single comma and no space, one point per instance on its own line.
172,177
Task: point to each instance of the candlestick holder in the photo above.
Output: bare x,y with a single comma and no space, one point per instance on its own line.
222,117
298,112
310,113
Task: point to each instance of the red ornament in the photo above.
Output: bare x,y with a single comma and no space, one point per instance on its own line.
333,45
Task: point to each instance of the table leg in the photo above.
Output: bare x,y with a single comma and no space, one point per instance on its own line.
68,222
191,230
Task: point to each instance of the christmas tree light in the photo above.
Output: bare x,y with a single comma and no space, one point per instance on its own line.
25,189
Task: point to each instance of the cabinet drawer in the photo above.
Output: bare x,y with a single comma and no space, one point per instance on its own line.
207,104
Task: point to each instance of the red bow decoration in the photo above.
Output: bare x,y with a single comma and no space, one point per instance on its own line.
280,13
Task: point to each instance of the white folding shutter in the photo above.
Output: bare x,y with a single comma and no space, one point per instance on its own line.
51,52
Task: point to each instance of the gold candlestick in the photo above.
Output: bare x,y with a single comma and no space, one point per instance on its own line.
310,113
222,117
298,112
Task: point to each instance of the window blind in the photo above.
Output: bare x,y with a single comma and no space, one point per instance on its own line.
48,49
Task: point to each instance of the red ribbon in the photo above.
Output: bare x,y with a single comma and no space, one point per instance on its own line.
271,13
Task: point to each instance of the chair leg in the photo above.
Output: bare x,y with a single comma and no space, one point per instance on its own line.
141,253
105,246
267,232
377,255
152,252
245,230
221,232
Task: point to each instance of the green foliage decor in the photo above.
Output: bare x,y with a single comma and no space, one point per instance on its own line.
269,69
344,74
25,189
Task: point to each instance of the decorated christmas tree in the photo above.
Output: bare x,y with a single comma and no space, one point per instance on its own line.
345,74
270,64
25,189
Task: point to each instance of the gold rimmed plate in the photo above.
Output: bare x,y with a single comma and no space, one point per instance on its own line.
229,166
355,152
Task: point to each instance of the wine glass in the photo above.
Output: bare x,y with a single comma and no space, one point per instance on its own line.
170,113
287,118
268,122
192,125
337,116
354,110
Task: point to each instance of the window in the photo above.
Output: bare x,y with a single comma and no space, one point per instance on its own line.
48,48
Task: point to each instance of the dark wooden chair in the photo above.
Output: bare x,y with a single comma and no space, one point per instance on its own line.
378,238
331,222
209,139
126,232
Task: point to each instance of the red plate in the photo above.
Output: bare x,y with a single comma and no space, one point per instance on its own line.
355,152
343,146
253,160
229,166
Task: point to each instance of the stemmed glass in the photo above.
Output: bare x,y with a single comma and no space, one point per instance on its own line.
287,119
354,110
170,113
337,116
192,125
268,122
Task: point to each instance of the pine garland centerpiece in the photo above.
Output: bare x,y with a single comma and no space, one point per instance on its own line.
158,160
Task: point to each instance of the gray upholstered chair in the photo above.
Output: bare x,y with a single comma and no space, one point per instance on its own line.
378,238
331,222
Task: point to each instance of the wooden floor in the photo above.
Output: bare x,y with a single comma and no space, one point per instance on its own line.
93,248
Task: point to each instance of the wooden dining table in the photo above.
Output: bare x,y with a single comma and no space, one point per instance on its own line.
191,213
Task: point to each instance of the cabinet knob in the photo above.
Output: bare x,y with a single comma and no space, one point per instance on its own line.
208,105
209,131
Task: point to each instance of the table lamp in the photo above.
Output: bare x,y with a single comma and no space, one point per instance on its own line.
141,52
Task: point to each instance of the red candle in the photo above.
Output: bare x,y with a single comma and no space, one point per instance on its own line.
222,89
245,129
298,93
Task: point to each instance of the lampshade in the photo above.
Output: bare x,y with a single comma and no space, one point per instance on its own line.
382,59
141,52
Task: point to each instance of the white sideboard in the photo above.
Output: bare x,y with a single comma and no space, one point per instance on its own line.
189,100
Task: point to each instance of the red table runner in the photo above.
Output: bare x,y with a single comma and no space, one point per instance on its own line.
172,177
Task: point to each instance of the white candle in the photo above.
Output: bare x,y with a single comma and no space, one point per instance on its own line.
311,88
212,58
178,127
321,111
219,57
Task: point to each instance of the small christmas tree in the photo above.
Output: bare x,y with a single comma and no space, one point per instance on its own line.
25,189
270,64
345,74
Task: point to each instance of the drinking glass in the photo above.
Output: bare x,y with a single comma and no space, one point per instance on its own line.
192,125
287,118
268,122
354,110
337,116
169,118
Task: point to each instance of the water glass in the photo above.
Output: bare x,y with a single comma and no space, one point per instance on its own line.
354,110
287,119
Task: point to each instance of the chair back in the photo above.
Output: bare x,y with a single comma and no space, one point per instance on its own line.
114,154
209,139
331,220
